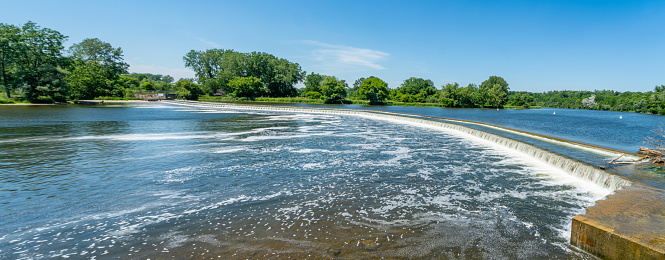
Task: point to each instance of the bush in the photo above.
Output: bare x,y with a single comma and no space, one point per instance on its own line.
313,95
44,99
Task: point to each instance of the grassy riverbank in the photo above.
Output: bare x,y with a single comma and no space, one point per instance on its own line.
320,101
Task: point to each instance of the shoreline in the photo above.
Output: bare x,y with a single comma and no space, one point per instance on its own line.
72,103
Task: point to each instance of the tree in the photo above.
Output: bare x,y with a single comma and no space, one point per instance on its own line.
9,50
158,81
187,89
89,80
333,90
413,86
468,96
450,95
149,86
249,87
313,82
414,90
216,67
357,83
206,64
374,89
96,69
493,92
38,63
278,75
95,50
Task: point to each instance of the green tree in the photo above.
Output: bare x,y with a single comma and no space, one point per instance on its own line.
249,87
468,96
373,89
216,67
313,95
187,89
357,83
493,92
160,82
89,80
414,90
39,64
149,86
278,75
313,82
413,86
102,53
96,69
450,95
9,50
333,90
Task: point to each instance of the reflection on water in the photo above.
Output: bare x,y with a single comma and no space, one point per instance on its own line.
157,181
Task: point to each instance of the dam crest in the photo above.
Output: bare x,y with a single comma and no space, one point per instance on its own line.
628,224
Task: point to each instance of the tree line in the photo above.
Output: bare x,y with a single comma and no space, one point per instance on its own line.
35,66
650,102
234,74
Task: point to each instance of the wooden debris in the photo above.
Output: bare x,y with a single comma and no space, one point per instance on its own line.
616,158
639,160
650,152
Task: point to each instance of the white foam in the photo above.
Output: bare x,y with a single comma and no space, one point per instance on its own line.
231,150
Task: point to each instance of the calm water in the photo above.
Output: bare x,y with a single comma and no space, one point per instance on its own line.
158,181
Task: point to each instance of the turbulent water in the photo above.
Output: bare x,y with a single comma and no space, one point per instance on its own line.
161,181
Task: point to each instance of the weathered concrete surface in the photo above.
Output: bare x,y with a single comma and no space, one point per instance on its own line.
629,224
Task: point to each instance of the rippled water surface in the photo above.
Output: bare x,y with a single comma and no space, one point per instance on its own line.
160,181
618,130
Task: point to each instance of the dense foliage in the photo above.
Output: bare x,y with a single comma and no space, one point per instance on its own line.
32,63
373,89
34,67
652,102
328,88
214,69
96,69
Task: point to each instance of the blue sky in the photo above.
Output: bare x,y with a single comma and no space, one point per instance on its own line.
535,45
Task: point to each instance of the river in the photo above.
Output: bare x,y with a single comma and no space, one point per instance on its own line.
155,180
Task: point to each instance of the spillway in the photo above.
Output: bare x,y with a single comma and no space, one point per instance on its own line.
628,224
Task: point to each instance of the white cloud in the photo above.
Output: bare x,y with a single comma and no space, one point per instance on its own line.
176,73
209,43
344,56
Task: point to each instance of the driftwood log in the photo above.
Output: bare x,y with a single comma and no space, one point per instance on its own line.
650,152
654,154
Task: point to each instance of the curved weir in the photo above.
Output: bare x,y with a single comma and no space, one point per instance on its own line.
578,169
628,224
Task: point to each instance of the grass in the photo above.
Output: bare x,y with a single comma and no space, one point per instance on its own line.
320,101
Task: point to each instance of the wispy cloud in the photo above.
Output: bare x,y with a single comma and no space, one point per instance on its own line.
346,55
209,43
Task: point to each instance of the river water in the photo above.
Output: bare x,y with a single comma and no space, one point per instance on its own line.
617,130
160,181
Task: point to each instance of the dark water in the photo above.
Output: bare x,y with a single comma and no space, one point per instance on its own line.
159,181
617,130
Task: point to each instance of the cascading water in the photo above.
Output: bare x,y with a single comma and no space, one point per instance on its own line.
159,180
575,168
